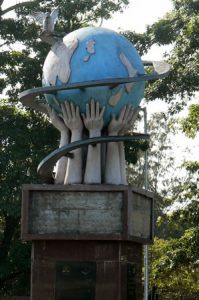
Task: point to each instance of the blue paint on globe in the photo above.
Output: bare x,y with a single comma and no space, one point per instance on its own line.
104,63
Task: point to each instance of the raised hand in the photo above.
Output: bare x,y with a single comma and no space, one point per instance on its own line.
93,120
116,125
131,116
124,122
55,119
72,117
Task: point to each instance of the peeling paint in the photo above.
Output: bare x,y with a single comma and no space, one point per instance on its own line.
90,48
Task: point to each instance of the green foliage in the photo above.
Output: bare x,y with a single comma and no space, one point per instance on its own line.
179,28
190,125
175,272
24,143
142,41
175,269
192,166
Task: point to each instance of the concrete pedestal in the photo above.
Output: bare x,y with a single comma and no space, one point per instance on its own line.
87,240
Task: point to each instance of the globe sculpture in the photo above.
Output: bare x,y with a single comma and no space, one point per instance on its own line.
85,69
93,54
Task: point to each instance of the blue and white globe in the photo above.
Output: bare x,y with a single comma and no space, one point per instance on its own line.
90,54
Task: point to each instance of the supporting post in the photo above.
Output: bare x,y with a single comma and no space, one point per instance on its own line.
146,250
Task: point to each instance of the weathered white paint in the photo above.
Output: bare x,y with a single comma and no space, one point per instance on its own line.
57,63
93,121
132,72
60,125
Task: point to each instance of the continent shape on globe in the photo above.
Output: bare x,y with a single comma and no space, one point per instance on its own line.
90,54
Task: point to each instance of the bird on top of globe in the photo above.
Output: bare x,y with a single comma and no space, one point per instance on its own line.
91,76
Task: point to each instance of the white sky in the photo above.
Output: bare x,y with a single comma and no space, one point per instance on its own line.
135,17
138,14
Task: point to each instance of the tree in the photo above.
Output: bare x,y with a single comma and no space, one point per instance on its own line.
25,136
21,150
175,269
175,262
179,28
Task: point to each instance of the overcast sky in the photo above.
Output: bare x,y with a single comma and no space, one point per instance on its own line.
138,14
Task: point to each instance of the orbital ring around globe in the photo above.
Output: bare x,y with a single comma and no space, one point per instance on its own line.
31,98
91,63
45,168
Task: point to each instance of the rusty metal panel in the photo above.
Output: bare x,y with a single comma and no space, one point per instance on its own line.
75,212
75,280
115,269
140,216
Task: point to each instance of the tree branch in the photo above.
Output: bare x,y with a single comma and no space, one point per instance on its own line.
13,7
1,2
6,43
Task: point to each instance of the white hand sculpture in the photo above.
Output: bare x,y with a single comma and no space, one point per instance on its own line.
116,125
131,115
73,121
115,163
60,125
93,120
124,122
55,119
72,117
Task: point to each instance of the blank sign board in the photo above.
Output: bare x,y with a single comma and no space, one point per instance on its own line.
86,212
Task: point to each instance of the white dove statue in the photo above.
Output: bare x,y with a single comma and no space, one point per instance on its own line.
47,20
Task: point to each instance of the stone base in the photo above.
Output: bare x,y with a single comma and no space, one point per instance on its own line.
87,240
86,270
87,212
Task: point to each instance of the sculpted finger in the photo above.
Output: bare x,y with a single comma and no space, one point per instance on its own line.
97,110
72,110
64,107
92,109
68,110
61,116
102,112
64,111
131,113
87,111
127,112
77,111
122,113
134,116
